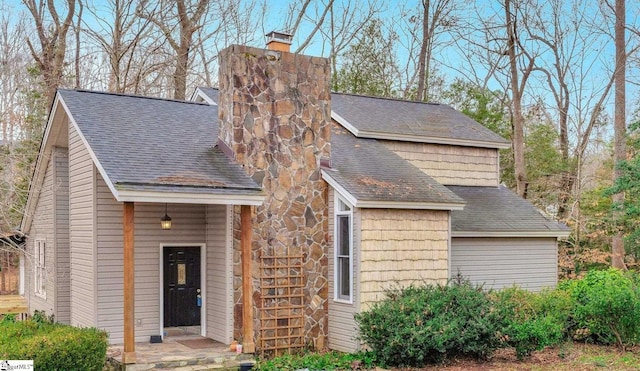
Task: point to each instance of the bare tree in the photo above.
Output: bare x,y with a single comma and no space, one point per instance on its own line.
50,58
189,16
437,17
121,38
517,87
620,150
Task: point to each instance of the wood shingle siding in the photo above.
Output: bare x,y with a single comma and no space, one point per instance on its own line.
530,263
82,198
451,165
219,273
342,325
401,247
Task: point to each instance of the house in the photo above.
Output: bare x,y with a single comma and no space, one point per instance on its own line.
290,208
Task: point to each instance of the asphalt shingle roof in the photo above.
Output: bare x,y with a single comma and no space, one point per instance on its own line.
371,172
156,144
377,117
498,209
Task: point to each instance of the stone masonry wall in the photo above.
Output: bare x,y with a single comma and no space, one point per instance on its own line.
275,117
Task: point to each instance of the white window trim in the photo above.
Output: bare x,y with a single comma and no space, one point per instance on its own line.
40,268
337,212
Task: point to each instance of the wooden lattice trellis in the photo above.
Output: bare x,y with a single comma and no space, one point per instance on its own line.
282,310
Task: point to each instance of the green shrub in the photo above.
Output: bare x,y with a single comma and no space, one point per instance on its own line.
532,321
414,326
53,346
607,307
317,361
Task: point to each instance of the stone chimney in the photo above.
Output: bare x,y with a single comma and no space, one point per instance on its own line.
275,120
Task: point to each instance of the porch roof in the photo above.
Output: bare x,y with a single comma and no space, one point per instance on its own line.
158,150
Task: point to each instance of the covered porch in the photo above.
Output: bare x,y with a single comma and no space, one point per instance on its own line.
188,276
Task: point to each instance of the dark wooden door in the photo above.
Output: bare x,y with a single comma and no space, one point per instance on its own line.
182,298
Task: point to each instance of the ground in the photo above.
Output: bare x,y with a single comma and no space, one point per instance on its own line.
571,356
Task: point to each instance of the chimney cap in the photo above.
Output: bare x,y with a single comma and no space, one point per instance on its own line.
281,37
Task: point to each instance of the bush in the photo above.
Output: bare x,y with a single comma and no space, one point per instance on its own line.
532,321
607,307
323,361
414,326
53,346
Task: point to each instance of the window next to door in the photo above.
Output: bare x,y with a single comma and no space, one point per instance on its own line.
343,250
40,271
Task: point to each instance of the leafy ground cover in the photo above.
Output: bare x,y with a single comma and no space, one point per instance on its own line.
568,356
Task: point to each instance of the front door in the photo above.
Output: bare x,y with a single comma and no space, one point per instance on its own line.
182,294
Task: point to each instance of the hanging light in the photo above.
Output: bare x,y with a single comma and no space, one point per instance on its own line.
165,221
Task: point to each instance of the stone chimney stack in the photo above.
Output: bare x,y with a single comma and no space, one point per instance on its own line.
279,41
275,120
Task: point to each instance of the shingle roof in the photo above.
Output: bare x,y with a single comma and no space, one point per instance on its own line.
156,144
497,209
370,172
383,118
212,93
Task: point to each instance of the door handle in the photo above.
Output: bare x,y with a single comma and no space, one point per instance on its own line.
198,298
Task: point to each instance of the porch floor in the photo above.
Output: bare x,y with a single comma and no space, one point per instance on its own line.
13,304
182,352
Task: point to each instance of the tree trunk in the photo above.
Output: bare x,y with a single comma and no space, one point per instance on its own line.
620,152
422,57
516,98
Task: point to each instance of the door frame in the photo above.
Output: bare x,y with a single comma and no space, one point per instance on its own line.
203,283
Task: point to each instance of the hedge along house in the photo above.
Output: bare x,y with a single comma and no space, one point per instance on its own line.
291,208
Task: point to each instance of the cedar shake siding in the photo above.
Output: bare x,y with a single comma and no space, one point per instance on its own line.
401,247
451,165
82,199
342,325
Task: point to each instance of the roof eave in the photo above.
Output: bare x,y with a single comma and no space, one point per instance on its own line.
377,204
559,234
253,198
198,93
37,177
416,139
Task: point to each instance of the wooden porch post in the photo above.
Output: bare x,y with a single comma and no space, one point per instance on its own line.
129,355
248,346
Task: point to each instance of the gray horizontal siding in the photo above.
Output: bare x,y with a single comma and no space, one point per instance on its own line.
42,229
188,227
342,325
219,274
531,263
81,233
63,264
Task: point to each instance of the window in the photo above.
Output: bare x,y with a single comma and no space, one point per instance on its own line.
40,267
343,250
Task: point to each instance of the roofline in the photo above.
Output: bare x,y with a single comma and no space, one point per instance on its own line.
188,198
36,178
415,139
200,94
371,204
559,234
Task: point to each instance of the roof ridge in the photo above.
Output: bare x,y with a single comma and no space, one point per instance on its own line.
391,99
133,96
